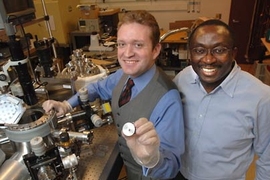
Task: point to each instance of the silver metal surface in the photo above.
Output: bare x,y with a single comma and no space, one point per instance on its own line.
30,128
85,136
164,36
32,124
11,109
94,157
7,171
128,129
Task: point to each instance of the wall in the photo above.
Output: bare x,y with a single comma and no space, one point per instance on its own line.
63,15
167,11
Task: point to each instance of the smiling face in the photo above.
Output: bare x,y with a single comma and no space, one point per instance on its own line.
136,53
216,62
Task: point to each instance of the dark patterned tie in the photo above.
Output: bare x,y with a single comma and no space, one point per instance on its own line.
126,94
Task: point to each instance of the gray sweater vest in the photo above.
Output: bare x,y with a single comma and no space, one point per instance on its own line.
140,106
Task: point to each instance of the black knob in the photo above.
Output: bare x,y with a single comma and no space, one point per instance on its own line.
3,77
64,137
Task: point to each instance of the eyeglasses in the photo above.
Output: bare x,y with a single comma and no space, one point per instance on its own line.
218,52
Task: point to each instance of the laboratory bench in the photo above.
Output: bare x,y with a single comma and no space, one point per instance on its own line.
101,160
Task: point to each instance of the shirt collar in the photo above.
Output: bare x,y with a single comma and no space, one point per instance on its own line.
229,84
141,81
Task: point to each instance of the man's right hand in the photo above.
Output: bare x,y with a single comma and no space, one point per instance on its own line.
61,108
144,144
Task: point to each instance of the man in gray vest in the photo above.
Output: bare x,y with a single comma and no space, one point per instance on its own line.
154,108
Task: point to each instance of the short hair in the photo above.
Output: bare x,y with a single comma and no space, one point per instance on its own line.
144,18
215,22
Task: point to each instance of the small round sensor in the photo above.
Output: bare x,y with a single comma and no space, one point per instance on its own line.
128,129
